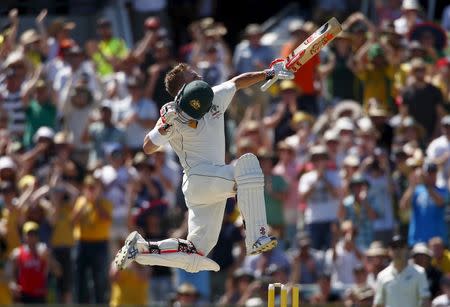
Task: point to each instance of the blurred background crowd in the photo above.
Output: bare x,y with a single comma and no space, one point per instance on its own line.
354,150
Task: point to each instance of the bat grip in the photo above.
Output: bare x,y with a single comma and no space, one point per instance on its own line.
268,83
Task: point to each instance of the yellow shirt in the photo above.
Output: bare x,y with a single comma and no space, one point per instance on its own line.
444,264
115,47
129,289
12,228
377,84
63,229
91,227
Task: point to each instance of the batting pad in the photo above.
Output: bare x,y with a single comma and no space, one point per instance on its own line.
250,195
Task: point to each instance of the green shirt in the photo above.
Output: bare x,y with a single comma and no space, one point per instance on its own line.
38,115
274,207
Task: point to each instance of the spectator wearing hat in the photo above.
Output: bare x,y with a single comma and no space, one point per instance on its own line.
55,34
110,49
31,262
422,256
427,202
401,284
140,114
91,217
441,255
320,190
361,293
99,133
410,17
240,284
376,260
39,157
358,208
443,299
422,100
75,71
438,151
376,74
307,76
186,295
306,263
41,111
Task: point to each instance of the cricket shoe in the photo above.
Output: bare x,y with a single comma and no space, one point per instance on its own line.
263,244
129,251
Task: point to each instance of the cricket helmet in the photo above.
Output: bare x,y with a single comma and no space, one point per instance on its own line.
195,99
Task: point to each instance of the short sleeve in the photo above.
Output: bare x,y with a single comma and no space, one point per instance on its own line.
379,292
223,94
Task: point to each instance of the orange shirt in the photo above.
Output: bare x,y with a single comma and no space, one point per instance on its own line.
304,77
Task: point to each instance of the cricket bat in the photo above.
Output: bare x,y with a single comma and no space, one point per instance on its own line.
309,48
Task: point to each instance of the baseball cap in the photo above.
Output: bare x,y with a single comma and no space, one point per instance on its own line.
376,249
187,288
397,241
29,227
44,133
195,98
7,162
421,249
445,121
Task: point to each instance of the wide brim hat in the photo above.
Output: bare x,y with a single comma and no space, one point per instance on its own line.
438,32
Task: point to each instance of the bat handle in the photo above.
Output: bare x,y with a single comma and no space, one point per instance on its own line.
268,83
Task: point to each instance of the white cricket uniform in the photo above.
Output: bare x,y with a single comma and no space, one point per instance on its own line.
207,181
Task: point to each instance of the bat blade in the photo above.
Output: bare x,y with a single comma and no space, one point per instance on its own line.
312,45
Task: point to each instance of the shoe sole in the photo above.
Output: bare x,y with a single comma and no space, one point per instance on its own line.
122,254
266,247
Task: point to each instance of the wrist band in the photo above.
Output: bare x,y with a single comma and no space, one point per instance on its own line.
156,137
270,73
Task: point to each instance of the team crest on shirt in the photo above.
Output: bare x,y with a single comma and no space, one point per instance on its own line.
195,103
215,112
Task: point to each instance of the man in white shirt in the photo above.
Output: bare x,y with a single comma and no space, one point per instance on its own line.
444,299
401,284
439,153
193,125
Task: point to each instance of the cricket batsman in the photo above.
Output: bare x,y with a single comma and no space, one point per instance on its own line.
193,124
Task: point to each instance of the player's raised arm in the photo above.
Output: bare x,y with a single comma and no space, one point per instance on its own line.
277,69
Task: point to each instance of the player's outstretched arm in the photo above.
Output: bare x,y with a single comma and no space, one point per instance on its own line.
277,69
156,138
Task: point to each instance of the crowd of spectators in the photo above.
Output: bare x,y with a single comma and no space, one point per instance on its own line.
355,153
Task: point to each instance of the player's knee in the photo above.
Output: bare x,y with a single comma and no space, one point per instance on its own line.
248,171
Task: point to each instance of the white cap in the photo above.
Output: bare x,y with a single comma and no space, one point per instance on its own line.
365,124
331,135
107,174
44,132
351,160
344,123
421,248
7,163
410,5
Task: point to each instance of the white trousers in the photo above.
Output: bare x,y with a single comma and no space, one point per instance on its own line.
206,189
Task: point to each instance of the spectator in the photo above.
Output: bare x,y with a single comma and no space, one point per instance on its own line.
410,17
92,221
320,189
441,255
100,133
187,295
30,264
139,115
109,50
438,152
443,299
10,211
361,293
326,293
422,257
413,97
343,256
41,111
306,263
377,259
358,208
237,287
392,289
439,80
428,206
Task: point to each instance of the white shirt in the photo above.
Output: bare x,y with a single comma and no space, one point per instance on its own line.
342,267
206,143
436,149
322,206
407,288
441,301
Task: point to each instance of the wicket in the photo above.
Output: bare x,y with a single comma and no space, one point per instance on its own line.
295,289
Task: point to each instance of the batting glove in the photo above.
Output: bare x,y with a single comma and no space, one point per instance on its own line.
168,113
278,70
